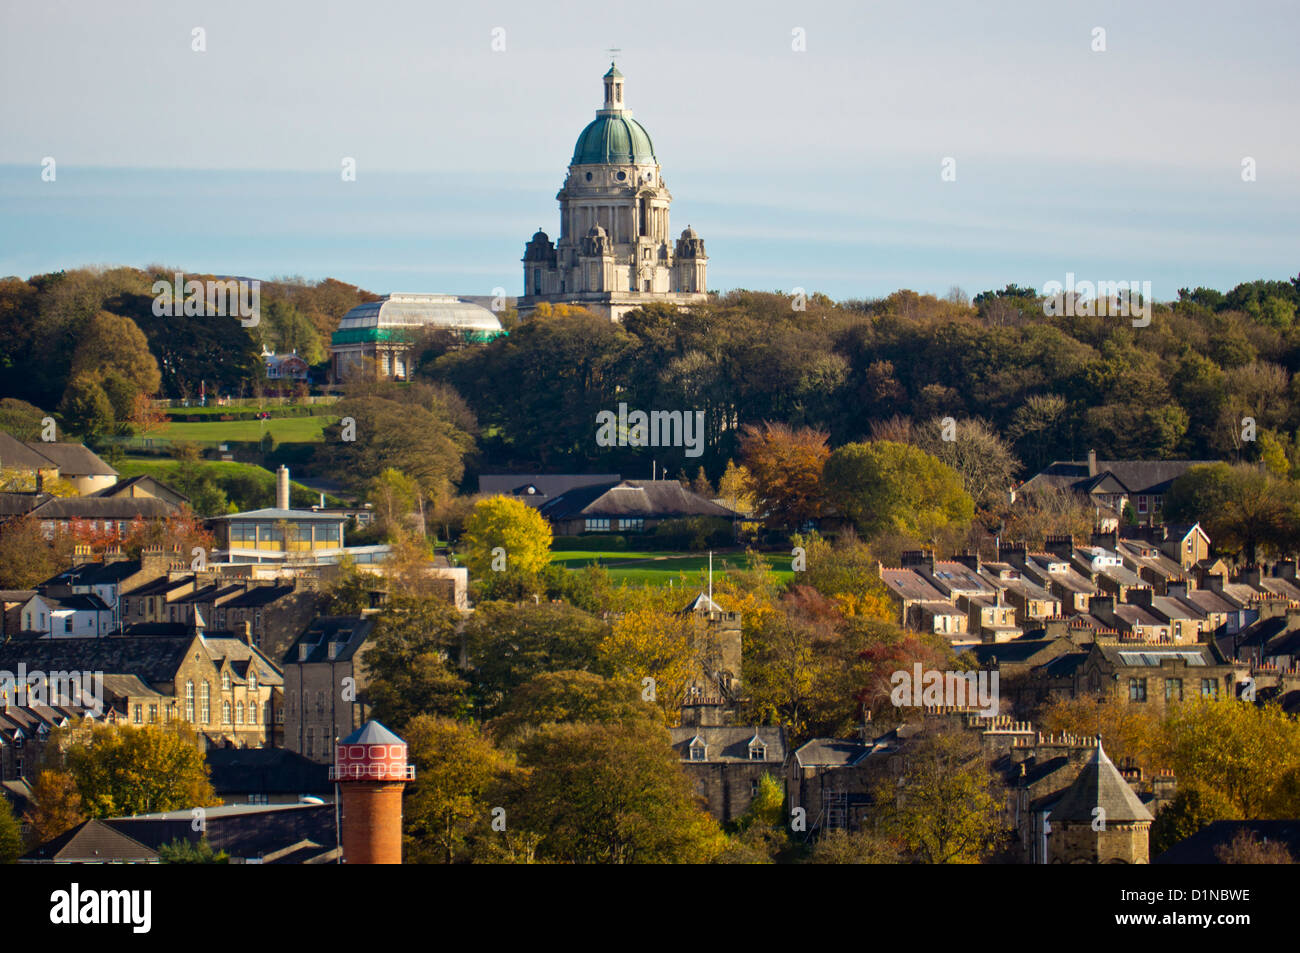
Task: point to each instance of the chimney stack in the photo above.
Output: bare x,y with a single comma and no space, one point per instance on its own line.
1092,463
282,488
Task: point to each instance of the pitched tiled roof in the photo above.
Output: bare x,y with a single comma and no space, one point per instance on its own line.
347,632
72,459
830,752
646,499
16,455
266,771
94,841
1099,785
154,659
1136,476
105,508
730,743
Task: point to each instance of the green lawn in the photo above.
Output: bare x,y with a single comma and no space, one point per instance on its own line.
283,429
659,568
228,474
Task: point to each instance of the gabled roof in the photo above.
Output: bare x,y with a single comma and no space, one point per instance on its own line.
830,752
16,455
153,485
266,771
1099,785
105,508
1145,477
16,504
93,841
644,499
154,659
95,574
72,459
730,743
547,485
348,632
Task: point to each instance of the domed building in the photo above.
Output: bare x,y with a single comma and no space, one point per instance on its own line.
384,331
615,252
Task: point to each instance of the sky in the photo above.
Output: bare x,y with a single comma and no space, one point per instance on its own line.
815,168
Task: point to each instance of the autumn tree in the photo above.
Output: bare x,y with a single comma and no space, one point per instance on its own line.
1245,755
124,769
785,468
509,644
1244,508
395,498
502,523
1246,848
945,807
1129,733
27,557
409,663
567,696
456,765
884,486
609,794
56,805
11,837
980,456
653,642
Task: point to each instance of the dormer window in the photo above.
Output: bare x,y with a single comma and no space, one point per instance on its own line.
252,680
225,681
699,750
757,751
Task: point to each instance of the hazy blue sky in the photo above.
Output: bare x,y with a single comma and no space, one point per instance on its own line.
818,169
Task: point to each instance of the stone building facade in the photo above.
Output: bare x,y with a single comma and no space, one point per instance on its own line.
615,252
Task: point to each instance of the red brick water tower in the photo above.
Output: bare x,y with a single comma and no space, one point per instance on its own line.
371,770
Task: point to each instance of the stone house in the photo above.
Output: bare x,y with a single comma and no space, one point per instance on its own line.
325,679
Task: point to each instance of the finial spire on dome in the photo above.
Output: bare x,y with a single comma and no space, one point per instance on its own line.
613,86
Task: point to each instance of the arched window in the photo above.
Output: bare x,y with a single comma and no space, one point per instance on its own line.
239,713
225,681
205,703
252,680
189,701
225,712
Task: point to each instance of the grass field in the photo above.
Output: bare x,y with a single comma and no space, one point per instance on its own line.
225,472
659,568
282,429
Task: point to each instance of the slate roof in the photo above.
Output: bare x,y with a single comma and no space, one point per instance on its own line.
154,659
72,459
16,504
1200,847
909,584
701,603
350,631
646,499
258,596
95,574
243,771
1099,784
372,733
731,743
104,508
548,486
121,486
95,841
830,753
1136,476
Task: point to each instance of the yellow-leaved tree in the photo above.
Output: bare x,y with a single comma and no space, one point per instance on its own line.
653,642
505,535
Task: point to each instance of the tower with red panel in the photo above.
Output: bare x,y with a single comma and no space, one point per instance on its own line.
371,769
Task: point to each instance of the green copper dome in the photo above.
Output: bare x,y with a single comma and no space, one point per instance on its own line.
613,140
